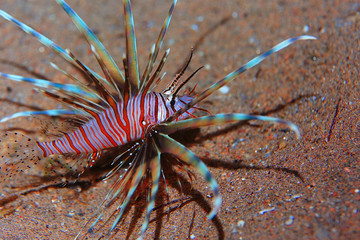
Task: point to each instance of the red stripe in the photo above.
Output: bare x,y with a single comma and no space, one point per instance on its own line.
167,110
142,113
118,121
54,144
125,117
134,110
117,126
88,142
95,134
78,141
48,146
112,127
41,148
156,107
61,142
71,144
102,129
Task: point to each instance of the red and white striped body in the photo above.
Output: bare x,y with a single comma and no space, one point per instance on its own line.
116,127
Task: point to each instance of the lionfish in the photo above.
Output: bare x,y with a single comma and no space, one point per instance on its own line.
121,108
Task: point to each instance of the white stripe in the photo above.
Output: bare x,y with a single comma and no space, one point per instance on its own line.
52,148
137,123
47,150
82,143
67,145
120,132
60,144
90,135
108,128
120,110
100,135
74,141
129,113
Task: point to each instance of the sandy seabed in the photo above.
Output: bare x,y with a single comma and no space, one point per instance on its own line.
274,186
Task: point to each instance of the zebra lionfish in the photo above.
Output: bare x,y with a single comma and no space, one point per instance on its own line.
120,107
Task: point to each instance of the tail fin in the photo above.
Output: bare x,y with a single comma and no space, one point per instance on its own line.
18,154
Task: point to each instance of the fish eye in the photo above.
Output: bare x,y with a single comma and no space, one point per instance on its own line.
172,102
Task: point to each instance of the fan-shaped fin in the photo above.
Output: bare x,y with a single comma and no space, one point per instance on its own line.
18,153
106,72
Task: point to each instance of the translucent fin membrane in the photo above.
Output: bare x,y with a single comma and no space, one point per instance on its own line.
18,154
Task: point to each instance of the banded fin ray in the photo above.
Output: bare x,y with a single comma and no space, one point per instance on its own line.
106,72
157,46
204,121
96,97
78,106
131,52
151,80
71,88
102,91
231,76
167,144
52,113
155,172
93,40
43,40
